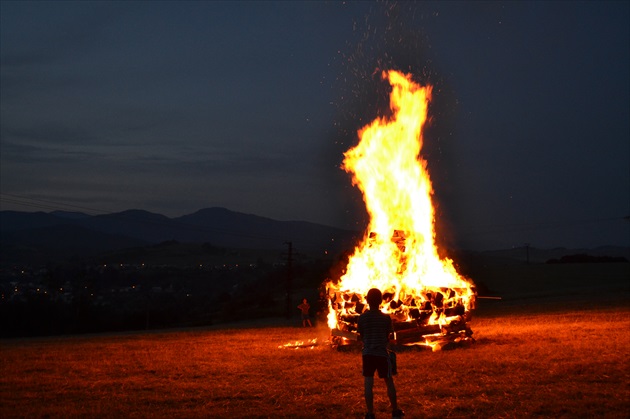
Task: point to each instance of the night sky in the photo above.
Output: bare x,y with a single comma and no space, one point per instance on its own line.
172,107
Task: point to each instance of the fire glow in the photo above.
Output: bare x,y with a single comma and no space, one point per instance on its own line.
425,296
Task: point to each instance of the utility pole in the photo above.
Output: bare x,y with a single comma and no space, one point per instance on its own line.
527,252
289,277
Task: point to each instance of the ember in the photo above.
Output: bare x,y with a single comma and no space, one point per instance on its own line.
300,344
428,300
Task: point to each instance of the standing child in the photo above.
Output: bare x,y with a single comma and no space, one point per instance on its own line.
305,307
375,329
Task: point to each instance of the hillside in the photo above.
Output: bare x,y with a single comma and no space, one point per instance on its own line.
40,237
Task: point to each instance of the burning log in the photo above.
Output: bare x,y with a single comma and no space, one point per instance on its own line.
345,335
308,344
415,335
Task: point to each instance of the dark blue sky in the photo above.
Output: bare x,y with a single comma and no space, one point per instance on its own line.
176,106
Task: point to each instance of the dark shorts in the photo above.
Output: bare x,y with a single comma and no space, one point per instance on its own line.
373,363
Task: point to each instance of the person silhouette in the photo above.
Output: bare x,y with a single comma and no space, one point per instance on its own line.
305,307
376,329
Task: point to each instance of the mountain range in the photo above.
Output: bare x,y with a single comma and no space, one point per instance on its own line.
32,238
40,235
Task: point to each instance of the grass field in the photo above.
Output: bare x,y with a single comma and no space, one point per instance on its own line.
571,364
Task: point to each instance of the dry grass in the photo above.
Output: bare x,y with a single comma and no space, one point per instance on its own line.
573,364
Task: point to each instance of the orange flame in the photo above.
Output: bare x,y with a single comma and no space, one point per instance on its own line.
398,254
300,344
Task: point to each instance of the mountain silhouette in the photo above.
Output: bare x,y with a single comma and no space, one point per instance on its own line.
55,234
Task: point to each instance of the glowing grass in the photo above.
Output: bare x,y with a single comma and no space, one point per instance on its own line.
571,364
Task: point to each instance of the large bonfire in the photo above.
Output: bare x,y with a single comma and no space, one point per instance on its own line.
428,300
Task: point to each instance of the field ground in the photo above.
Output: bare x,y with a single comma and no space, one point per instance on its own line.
548,354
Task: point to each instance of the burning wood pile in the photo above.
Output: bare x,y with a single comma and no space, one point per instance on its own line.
429,302
413,328
433,316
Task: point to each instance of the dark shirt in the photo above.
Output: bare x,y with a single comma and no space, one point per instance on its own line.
375,328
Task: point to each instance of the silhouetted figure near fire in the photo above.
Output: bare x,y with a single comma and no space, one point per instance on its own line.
375,331
305,307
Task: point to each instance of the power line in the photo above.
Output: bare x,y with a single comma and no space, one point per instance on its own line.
46,204
513,228
499,229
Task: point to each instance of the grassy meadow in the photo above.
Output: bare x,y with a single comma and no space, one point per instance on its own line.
570,364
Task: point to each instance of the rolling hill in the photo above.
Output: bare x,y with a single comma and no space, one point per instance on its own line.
38,236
